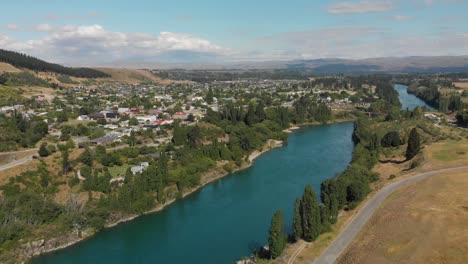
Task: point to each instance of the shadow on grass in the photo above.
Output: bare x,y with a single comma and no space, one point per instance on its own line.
393,161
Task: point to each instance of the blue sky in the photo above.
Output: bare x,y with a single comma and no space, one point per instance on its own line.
207,31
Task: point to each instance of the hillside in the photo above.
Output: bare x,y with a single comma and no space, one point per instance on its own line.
5,67
20,60
131,75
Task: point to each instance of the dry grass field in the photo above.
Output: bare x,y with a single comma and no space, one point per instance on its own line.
5,67
463,85
425,222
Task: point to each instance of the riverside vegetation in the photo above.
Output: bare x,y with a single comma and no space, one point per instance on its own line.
313,217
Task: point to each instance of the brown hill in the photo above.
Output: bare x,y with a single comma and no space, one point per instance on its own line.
5,67
131,75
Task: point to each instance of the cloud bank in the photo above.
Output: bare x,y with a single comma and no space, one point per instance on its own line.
91,44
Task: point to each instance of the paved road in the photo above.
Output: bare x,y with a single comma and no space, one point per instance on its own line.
342,241
17,162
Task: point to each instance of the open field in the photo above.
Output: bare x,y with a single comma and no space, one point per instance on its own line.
463,85
117,171
424,222
31,91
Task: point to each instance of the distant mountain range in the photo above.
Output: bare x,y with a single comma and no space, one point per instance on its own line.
438,64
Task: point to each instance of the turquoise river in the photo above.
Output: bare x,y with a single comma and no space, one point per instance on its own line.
228,218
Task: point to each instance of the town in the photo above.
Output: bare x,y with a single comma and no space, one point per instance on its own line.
94,152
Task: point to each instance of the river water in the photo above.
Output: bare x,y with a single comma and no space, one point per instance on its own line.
226,219
409,101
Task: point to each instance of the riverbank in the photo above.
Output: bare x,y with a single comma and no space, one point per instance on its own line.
241,201
211,176
438,153
44,246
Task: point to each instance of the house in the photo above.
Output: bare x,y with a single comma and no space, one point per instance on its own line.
82,118
146,119
180,115
96,116
112,117
154,112
122,110
139,169
110,126
108,138
164,122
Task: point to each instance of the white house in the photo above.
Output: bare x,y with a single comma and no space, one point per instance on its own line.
139,169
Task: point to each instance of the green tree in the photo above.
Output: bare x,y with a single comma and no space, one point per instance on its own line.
132,139
209,96
310,215
87,157
43,151
277,239
391,139
297,220
260,111
414,144
133,121
329,197
250,116
374,143
65,161
179,136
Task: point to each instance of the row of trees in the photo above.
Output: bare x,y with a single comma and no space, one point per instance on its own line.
428,91
312,217
24,61
306,110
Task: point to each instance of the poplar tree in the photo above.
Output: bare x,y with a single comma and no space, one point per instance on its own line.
297,221
277,240
329,197
209,96
414,144
260,111
311,226
65,161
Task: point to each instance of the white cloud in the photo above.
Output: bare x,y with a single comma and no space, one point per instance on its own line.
43,27
361,42
13,27
361,7
401,18
94,44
